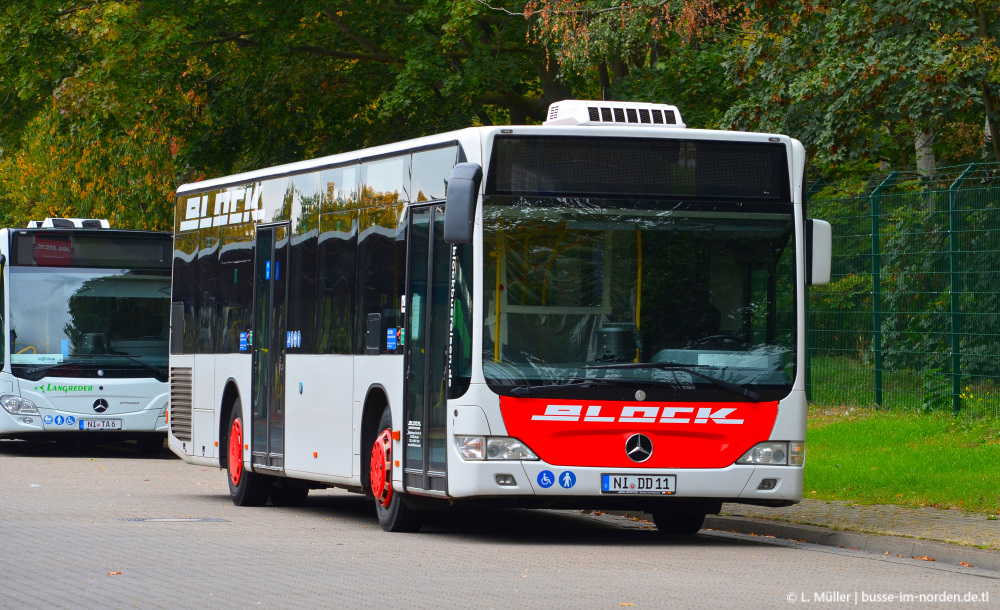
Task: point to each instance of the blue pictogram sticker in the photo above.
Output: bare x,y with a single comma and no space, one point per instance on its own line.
47,419
243,342
70,420
567,479
60,420
390,339
546,479
267,270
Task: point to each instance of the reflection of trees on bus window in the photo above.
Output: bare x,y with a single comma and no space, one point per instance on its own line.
118,315
586,282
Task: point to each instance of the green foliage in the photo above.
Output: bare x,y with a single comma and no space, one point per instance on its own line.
860,80
937,391
233,85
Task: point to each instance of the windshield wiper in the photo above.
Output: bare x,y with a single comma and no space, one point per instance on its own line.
686,368
574,382
34,373
159,370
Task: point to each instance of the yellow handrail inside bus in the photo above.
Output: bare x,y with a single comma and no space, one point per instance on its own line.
31,347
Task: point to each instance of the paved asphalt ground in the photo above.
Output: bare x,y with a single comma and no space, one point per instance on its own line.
100,527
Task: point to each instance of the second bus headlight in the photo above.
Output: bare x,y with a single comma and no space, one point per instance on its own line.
493,448
15,405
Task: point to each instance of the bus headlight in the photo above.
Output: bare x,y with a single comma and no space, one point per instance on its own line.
493,448
15,405
775,453
507,448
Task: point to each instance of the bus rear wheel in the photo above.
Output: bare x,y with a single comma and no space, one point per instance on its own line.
393,514
246,488
671,523
287,495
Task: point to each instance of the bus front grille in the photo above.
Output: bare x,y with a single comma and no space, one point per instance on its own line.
180,403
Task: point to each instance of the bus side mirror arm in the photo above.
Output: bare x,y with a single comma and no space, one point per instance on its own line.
460,204
819,252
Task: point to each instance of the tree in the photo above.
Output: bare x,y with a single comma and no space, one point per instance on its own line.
866,79
244,84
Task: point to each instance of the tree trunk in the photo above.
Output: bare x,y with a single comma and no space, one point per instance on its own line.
988,105
991,123
924,147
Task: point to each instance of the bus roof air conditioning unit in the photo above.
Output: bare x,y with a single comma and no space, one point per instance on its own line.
634,114
70,223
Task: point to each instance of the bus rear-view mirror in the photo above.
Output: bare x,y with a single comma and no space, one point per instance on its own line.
819,252
460,203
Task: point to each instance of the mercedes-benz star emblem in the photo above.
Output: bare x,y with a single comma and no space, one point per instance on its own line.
638,447
100,405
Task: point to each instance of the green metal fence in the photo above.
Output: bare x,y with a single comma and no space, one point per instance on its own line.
911,317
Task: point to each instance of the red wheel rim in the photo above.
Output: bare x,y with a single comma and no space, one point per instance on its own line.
382,468
236,452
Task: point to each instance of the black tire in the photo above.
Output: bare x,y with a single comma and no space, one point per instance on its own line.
678,524
150,445
247,488
393,513
283,495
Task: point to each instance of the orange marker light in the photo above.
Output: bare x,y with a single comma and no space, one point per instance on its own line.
315,453
216,443
395,435
397,463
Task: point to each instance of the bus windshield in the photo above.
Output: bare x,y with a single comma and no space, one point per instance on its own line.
84,322
584,291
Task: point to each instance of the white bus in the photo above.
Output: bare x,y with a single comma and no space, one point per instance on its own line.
605,311
85,324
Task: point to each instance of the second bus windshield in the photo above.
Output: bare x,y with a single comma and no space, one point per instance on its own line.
74,322
573,288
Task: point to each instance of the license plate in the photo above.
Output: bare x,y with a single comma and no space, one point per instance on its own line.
100,424
663,484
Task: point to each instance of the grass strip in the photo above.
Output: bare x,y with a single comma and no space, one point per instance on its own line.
866,456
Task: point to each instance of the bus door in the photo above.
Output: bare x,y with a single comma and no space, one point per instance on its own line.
269,344
426,343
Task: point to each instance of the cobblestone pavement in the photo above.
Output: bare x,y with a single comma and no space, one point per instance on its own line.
99,527
954,526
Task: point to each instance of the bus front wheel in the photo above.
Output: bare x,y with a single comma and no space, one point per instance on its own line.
393,514
671,523
246,488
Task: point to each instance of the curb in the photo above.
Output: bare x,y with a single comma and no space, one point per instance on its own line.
929,550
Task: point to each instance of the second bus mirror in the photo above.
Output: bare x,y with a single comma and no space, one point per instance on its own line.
460,204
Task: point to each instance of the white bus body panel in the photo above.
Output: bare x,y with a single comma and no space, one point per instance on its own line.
318,393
